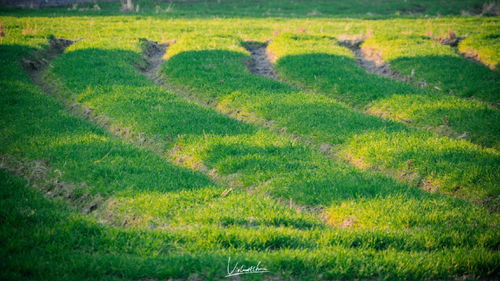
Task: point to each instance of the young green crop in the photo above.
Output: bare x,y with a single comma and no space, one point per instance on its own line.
320,64
157,218
271,8
438,65
219,74
175,233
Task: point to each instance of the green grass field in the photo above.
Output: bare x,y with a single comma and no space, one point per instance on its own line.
326,171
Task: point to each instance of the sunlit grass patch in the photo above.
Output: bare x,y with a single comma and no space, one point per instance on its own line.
201,42
473,174
421,217
290,44
397,46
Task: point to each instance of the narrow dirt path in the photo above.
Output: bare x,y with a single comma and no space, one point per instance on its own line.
260,63
36,65
38,173
453,41
371,61
154,53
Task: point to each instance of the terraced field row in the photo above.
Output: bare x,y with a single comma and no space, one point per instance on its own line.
214,161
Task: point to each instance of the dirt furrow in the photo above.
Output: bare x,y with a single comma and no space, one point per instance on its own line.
371,61
36,65
453,41
153,52
260,63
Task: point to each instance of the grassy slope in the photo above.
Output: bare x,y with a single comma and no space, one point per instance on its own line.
403,233
218,73
141,189
44,240
203,139
438,65
49,246
297,245
272,233
318,63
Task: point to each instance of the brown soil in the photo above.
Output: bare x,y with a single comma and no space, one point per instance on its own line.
370,60
451,41
153,52
260,63
38,63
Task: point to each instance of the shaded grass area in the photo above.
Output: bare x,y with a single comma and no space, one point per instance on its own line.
331,69
270,8
438,65
320,64
177,233
219,74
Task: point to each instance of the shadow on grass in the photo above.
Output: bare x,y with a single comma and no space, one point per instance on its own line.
76,247
341,78
222,75
455,75
37,127
107,81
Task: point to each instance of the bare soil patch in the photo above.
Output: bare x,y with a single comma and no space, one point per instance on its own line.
36,64
153,57
260,64
370,60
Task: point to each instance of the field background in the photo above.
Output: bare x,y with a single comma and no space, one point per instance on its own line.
121,162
